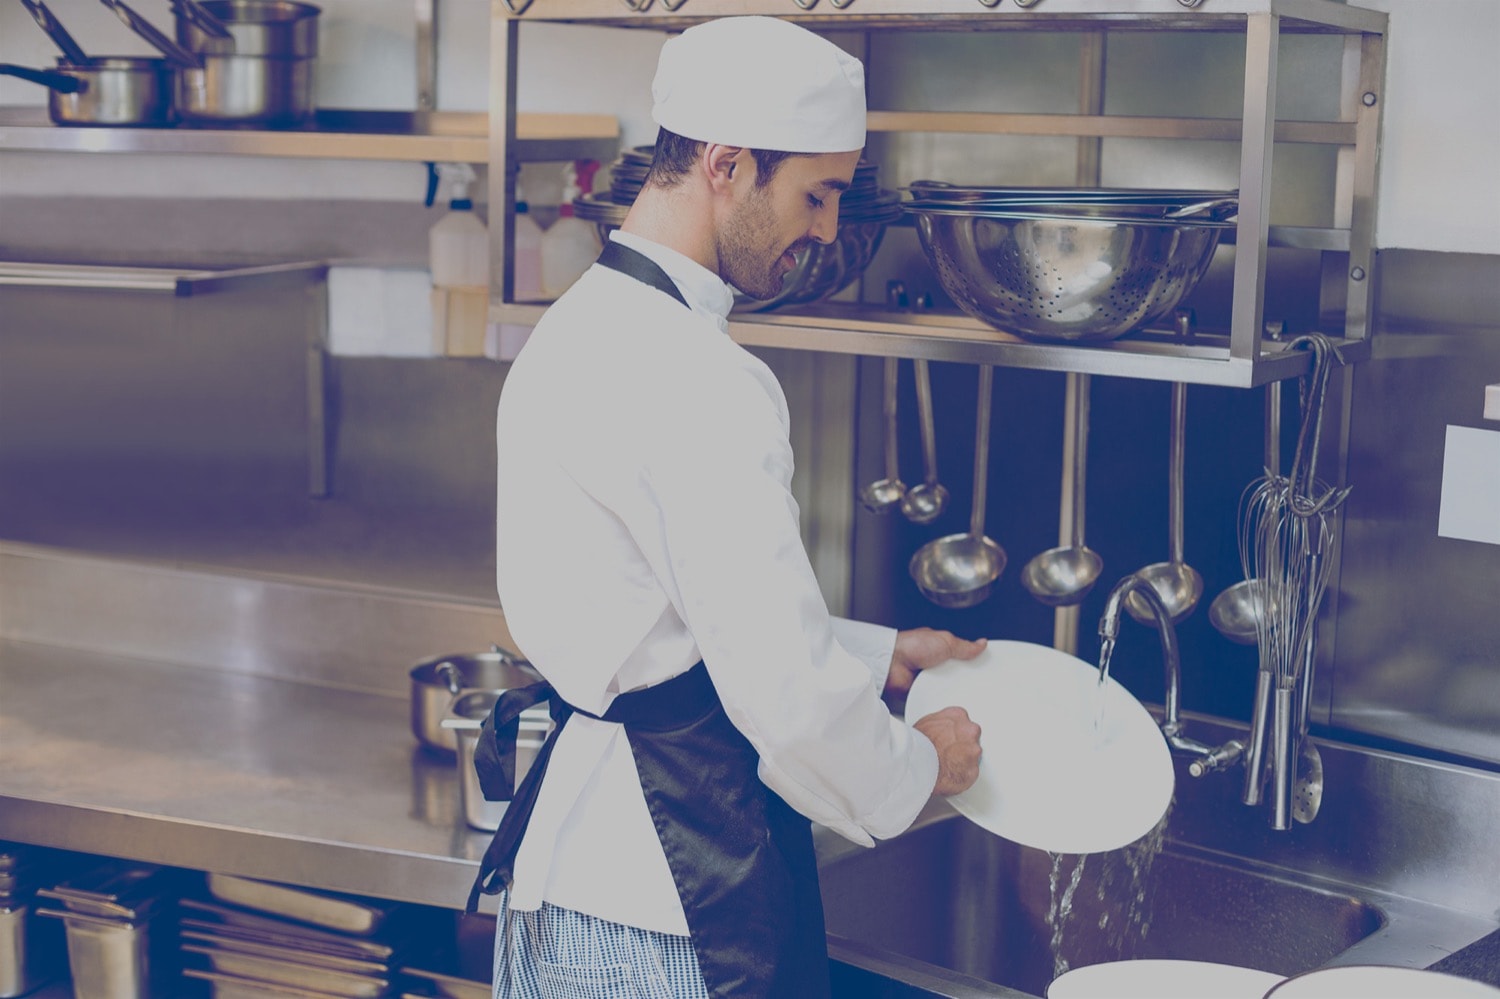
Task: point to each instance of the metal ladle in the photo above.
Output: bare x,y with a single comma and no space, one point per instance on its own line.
883,494
925,501
959,569
1063,576
1237,612
1178,584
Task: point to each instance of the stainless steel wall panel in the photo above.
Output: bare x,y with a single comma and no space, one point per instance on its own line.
361,638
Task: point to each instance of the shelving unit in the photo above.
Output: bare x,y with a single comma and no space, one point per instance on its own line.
405,136
1236,357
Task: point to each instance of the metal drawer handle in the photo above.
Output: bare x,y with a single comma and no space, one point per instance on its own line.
1190,3
806,4
517,7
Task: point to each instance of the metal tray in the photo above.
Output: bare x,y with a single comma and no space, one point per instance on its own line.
222,986
345,913
274,930
451,986
292,940
298,976
116,890
280,952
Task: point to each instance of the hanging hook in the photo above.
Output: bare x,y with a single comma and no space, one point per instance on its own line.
1312,390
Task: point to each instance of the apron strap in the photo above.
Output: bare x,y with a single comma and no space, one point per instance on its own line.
632,263
681,699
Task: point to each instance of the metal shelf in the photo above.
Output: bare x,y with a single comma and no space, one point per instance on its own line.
410,136
1154,354
180,281
969,15
1238,356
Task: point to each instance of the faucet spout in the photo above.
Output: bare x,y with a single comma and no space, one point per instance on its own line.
1109,633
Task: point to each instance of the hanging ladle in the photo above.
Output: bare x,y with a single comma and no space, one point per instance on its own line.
925,501
1177,583
958,570
1063,576
883,494
1236,612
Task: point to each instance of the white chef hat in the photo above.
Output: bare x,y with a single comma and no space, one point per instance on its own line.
760,83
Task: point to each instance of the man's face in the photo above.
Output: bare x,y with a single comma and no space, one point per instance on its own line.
770,224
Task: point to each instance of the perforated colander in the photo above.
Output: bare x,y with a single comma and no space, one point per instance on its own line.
1064,277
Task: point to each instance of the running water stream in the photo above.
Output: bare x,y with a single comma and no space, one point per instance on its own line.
1122,881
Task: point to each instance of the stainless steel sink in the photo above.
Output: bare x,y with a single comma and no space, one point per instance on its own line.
978,905
1396,869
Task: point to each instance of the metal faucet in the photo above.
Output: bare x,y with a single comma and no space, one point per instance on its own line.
1206,758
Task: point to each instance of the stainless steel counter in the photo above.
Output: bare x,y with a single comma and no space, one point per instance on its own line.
229,772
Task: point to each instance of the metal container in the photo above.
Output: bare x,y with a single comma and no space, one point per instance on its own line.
112,958
465,718
1064,278
115,91
31,950
435,682
330,910
257,59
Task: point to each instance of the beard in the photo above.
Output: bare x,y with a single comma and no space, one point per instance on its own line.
749,255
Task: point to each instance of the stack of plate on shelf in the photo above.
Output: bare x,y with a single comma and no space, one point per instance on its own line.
31,950
822,270
261,940
118,928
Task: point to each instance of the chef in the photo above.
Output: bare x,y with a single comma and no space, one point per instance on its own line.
650,565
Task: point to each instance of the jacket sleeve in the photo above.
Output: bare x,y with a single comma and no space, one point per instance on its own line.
719,478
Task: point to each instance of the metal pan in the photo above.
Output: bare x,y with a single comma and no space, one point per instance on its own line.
114,91
345,913
291,973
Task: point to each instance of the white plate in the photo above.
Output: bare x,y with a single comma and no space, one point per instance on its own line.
1368,981
1055,775
1161,979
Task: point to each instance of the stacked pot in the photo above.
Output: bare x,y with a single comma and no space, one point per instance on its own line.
233,63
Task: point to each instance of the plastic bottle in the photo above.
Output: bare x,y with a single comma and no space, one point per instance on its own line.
570,245
459,258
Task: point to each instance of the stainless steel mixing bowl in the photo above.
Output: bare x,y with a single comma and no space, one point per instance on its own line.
1064,277
823,269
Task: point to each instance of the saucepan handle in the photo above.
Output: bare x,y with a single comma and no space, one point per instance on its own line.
175,53
63,83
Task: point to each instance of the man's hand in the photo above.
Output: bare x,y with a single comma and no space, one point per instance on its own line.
957,740
919,649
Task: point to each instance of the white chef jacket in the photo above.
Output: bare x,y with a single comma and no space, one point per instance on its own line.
645,521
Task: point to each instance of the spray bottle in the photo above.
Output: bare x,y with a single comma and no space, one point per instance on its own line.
570,245
459,258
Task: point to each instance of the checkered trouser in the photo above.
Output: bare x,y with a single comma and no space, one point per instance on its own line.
555,953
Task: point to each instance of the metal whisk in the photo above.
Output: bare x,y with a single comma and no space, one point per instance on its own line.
1287,530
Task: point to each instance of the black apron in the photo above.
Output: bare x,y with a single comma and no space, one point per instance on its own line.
741,857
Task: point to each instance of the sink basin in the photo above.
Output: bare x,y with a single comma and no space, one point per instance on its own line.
951,895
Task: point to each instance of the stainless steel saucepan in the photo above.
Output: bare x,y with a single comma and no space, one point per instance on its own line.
107,90
118,91
436,683
239,62
257,69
